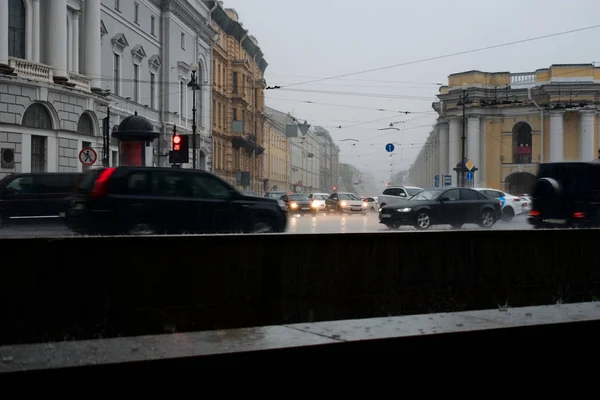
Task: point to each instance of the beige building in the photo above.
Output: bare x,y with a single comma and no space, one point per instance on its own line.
513,121
277,154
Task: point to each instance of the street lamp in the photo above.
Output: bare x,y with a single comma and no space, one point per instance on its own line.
461,168
193,84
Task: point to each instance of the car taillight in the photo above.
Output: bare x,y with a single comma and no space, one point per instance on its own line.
578,215
534,213
101,185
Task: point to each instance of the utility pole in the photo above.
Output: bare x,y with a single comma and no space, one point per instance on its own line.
194,86
464,98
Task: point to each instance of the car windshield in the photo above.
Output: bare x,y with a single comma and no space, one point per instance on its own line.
413,191
320,197
348,196
427,195
298,197
275,195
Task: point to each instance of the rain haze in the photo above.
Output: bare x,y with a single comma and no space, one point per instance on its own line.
309,39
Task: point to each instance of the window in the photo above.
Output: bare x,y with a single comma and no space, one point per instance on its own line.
136,13
170,184
22,185
16,28
152,28
136,83
451,195
205,186
137,183
38,153
235,82
85,126
116,74
115,159
235,116
117,5
152,90
36,116
183,40
469,195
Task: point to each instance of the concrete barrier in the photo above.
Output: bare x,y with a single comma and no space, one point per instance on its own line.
81,288
536,333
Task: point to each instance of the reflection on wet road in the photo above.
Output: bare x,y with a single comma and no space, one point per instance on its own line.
370,223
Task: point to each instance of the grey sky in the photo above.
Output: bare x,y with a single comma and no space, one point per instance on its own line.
304,39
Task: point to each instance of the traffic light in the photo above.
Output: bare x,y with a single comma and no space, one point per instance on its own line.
180,153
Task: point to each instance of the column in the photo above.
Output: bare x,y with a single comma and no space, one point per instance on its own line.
92,44
36,31
587,152
557,152
57,39
454,148
482,152
75,42
443,140
473,146
3,33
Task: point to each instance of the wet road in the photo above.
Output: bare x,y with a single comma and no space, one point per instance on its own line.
370,223
303,224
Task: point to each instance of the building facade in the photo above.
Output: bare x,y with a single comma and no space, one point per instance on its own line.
64,63
513,121
330,160
277,152
238,86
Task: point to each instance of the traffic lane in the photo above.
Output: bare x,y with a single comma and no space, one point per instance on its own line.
370,223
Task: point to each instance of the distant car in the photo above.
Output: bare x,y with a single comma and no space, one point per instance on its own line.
147,200
318,201
348,203
275,195
455,207
297,203
372,204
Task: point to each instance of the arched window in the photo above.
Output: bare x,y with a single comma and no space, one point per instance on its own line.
85,125
37,116
522,143
16,28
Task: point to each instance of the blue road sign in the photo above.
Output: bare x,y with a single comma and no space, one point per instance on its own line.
436,178
469,176
389,147
447,180
436,183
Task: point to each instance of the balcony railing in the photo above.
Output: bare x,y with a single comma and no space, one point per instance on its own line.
30,70
522,79
81,82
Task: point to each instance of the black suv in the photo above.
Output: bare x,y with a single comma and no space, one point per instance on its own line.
142,200
566,194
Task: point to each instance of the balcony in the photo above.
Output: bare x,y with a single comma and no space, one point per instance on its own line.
522,80
43,73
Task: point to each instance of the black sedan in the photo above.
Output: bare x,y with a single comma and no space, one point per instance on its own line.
453,207
297,203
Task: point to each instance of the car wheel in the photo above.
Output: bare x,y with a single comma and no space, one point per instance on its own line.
423,220
141,229
508,214
487,219
262,226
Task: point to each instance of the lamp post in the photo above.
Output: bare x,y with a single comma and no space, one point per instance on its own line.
193,84
461,167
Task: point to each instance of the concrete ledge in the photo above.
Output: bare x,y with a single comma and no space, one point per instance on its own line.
436,336
85,288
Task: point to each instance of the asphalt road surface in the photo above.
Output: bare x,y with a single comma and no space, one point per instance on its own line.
300,224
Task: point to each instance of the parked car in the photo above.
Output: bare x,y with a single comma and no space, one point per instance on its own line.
36,197
454,207
143,200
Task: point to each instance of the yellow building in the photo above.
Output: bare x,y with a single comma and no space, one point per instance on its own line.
514,121
278,151
238,103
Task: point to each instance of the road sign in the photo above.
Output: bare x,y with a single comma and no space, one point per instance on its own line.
469,164
304,128
469,176
447,180
88,156
389,147
436,183
436,178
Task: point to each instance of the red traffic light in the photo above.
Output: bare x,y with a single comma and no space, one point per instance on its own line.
176,139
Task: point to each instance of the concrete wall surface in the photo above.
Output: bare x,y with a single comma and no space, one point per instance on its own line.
81,288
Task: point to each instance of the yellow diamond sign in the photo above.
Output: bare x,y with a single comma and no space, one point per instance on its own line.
469,164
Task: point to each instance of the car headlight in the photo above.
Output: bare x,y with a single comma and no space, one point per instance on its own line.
365,204
344,204
405,209
294,205
314,204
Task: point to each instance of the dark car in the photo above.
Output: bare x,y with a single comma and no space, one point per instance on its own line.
566,194
297,203
456,206
36,197
141,200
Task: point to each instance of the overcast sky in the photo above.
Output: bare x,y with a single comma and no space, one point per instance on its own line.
307,39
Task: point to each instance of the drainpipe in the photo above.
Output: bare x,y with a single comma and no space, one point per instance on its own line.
541,124
210,80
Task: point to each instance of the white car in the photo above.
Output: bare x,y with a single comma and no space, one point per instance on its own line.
511,205
318,201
